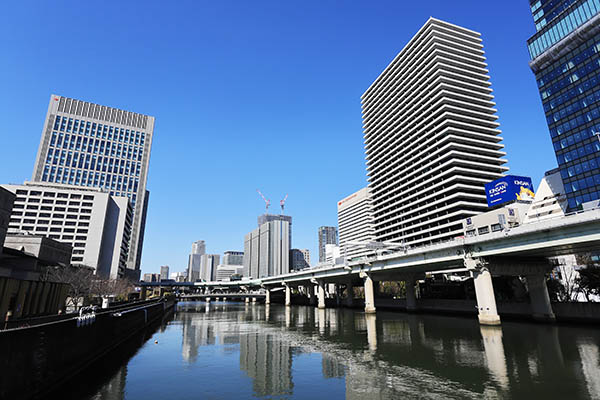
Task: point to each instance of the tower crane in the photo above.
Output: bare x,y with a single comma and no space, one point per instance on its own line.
282,203
267,201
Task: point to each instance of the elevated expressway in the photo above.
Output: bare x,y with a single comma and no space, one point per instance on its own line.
522,250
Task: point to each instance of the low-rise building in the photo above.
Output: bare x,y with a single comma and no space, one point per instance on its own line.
224,272
96,224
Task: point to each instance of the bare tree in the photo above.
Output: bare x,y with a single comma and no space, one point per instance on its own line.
589,276
119,288
79,280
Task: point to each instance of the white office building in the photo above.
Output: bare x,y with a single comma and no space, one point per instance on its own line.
195,259
355,224
224,271
96,224
431,136
332,253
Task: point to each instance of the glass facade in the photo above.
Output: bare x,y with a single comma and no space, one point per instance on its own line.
569,87
92,154
562,19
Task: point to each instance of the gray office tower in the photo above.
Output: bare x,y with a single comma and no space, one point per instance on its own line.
195,260
86,144
431,136
233,257
327,235
565,57
267,248
164,272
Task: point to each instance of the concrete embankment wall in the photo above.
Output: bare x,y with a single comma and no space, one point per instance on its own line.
564,312
36,359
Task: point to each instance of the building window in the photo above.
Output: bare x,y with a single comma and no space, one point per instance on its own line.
496,227
483,230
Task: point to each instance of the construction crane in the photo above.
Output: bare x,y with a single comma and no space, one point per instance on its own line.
267,201
282,203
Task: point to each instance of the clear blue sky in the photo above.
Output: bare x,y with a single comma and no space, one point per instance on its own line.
246,95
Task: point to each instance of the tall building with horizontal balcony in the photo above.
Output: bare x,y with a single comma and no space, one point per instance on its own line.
86,144
565,58
355,222
431,136
96,224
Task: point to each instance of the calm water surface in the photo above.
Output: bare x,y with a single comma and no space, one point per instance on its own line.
239,351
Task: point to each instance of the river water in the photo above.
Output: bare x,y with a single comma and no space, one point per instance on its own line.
243,351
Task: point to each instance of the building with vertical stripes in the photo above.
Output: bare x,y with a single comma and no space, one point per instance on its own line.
431,136
86,144
267,248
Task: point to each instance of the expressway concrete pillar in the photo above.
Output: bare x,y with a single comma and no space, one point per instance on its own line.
144,293
288,296
349,294
540,301
369,295
312,299
268,297
486,301
411,295
321,288
254,300
247,299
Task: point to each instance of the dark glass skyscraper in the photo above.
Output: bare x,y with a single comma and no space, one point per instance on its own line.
565,57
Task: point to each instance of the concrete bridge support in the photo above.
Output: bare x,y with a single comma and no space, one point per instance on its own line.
268,297
411,295
288,295
247,300
486,301
349,294
312,299
540,301
369,294
321,288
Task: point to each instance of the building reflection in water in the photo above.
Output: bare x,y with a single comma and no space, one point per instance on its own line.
391,355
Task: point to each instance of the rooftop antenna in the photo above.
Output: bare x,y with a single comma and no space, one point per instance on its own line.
282,203
267,201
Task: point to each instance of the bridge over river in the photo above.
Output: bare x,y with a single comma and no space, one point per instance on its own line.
518,251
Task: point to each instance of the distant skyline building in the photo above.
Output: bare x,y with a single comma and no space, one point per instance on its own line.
332,253
565,58
86,144
355,223
96,224
233,258
327,235
267,248
164,272
208,267
225,272
195,259
431,136
300,259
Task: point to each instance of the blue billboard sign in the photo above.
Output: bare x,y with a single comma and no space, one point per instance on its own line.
509,188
